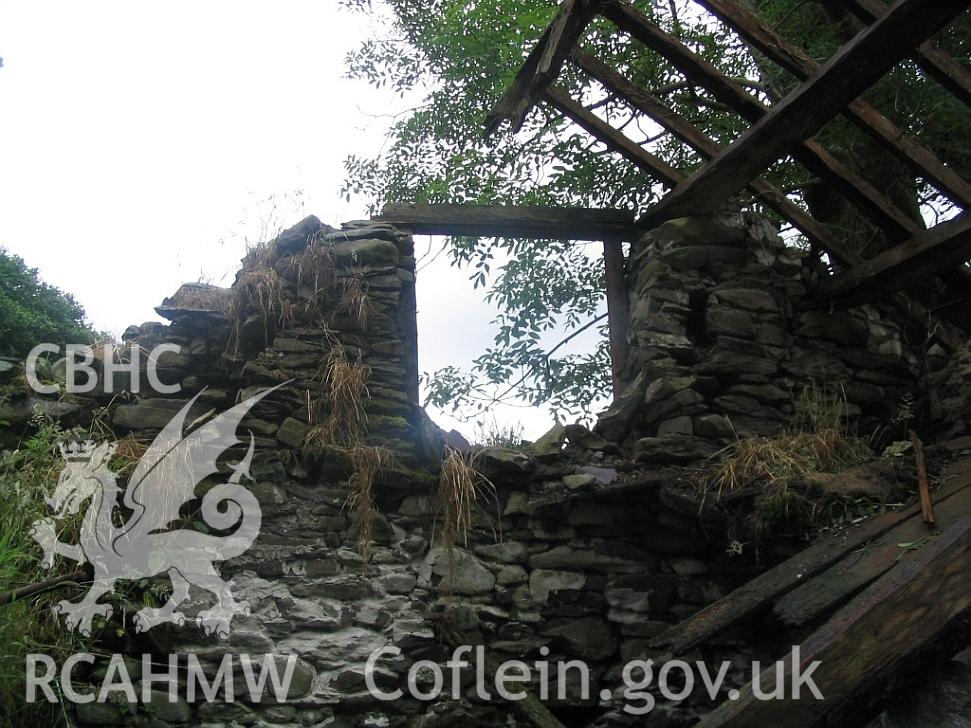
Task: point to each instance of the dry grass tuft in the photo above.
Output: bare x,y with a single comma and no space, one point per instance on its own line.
264,290
367,463
338,409
314,270
355,300
818,442
460,487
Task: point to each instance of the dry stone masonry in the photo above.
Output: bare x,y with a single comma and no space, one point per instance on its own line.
591,543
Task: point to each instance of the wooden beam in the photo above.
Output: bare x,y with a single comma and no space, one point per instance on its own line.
766,588
512,221
904,612
943,68
824,593
542,66
653,107
867,118
810,154
810,107
615,282
927,253
613,139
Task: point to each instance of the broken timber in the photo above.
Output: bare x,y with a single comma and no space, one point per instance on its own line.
906,610
765,589
810,107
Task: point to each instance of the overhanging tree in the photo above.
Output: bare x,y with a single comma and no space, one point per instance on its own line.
461,55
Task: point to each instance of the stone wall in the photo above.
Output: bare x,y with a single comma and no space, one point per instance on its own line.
724,336
577,550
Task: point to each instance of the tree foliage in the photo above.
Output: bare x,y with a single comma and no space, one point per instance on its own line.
34,312
459,56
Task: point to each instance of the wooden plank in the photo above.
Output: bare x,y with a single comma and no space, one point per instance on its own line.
834,586
867,118
669,119
929,252
945,69
810,154
756,594
615,140
512,221
615,282
542,66
810,107
923,483
905,611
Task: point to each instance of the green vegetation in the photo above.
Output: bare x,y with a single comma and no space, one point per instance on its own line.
458,57
29,625
32,311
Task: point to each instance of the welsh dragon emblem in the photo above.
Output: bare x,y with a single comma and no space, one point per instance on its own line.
163,481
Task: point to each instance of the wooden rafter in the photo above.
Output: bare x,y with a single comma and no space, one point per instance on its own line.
542,66
813,156
618,142
867,118
653,107
930,252
810,107
945,69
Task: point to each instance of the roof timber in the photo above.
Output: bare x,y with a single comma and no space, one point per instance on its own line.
543,64
512,221
704,145
867,118
617,141
810,107
945,69
811,155
932,251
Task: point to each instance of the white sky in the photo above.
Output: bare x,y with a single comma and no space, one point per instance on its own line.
143,143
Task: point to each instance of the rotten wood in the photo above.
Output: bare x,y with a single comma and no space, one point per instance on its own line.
765,588
942,67
23,592
834,586
542,66
906,610
929,252
615,282
512,221
810,107
923,483
792,58
897,224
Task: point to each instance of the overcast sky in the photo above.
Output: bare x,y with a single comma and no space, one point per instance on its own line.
143,143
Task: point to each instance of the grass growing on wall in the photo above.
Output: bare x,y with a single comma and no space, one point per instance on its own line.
29,625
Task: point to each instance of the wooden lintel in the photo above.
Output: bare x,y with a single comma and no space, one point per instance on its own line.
943,68
806,110
930,252
613,139
512,221
792,58
810,154
542,66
